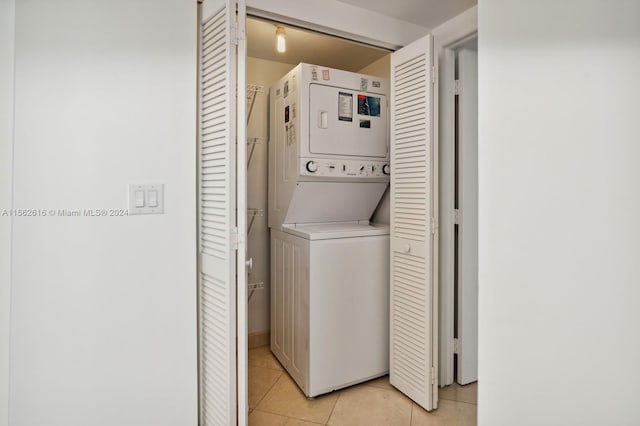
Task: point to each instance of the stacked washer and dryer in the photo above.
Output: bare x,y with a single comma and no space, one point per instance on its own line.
328,170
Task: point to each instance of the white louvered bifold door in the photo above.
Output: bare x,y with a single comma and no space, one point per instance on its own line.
221,195
413,333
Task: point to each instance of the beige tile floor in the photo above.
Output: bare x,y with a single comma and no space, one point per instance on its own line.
275,400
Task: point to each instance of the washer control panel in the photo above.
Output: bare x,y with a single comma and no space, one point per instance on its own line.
343,168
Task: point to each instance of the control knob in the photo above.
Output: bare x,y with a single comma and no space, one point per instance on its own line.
312,167
385,169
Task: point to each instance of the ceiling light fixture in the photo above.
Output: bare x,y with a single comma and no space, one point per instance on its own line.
280,41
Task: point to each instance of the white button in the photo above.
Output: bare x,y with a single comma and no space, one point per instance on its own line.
153,198
139,198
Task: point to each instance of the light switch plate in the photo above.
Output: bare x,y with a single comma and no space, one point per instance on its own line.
159,193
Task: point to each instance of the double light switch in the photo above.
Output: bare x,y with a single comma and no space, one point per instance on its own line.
146,199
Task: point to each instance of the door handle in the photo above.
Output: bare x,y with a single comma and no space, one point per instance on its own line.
249,263
323,119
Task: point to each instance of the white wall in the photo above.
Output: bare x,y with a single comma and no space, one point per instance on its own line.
559,200
262,73
7,15
104,308
381,68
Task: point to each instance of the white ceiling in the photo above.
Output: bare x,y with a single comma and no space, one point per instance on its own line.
427,13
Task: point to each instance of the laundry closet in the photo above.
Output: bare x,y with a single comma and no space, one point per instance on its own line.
265,67
326,310
341,210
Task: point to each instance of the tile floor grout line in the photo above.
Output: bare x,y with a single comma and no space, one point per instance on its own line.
266,368
333,408
262,410
463,402
278,368
282,373
456,400
306,421
269,390
287,417
280,414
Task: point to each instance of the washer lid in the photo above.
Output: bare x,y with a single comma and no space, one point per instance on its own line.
327,231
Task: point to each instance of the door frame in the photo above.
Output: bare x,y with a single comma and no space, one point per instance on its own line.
397,34
446,38
467,249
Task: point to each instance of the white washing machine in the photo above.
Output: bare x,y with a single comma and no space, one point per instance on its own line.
330,304
328,169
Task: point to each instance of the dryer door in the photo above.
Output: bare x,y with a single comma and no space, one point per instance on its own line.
347,122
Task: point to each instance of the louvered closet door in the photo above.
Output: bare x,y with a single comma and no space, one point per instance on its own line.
413,337
221,191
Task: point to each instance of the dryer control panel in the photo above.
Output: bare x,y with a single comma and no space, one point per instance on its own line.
344,168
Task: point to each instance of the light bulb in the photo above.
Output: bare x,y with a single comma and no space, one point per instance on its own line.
280,40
